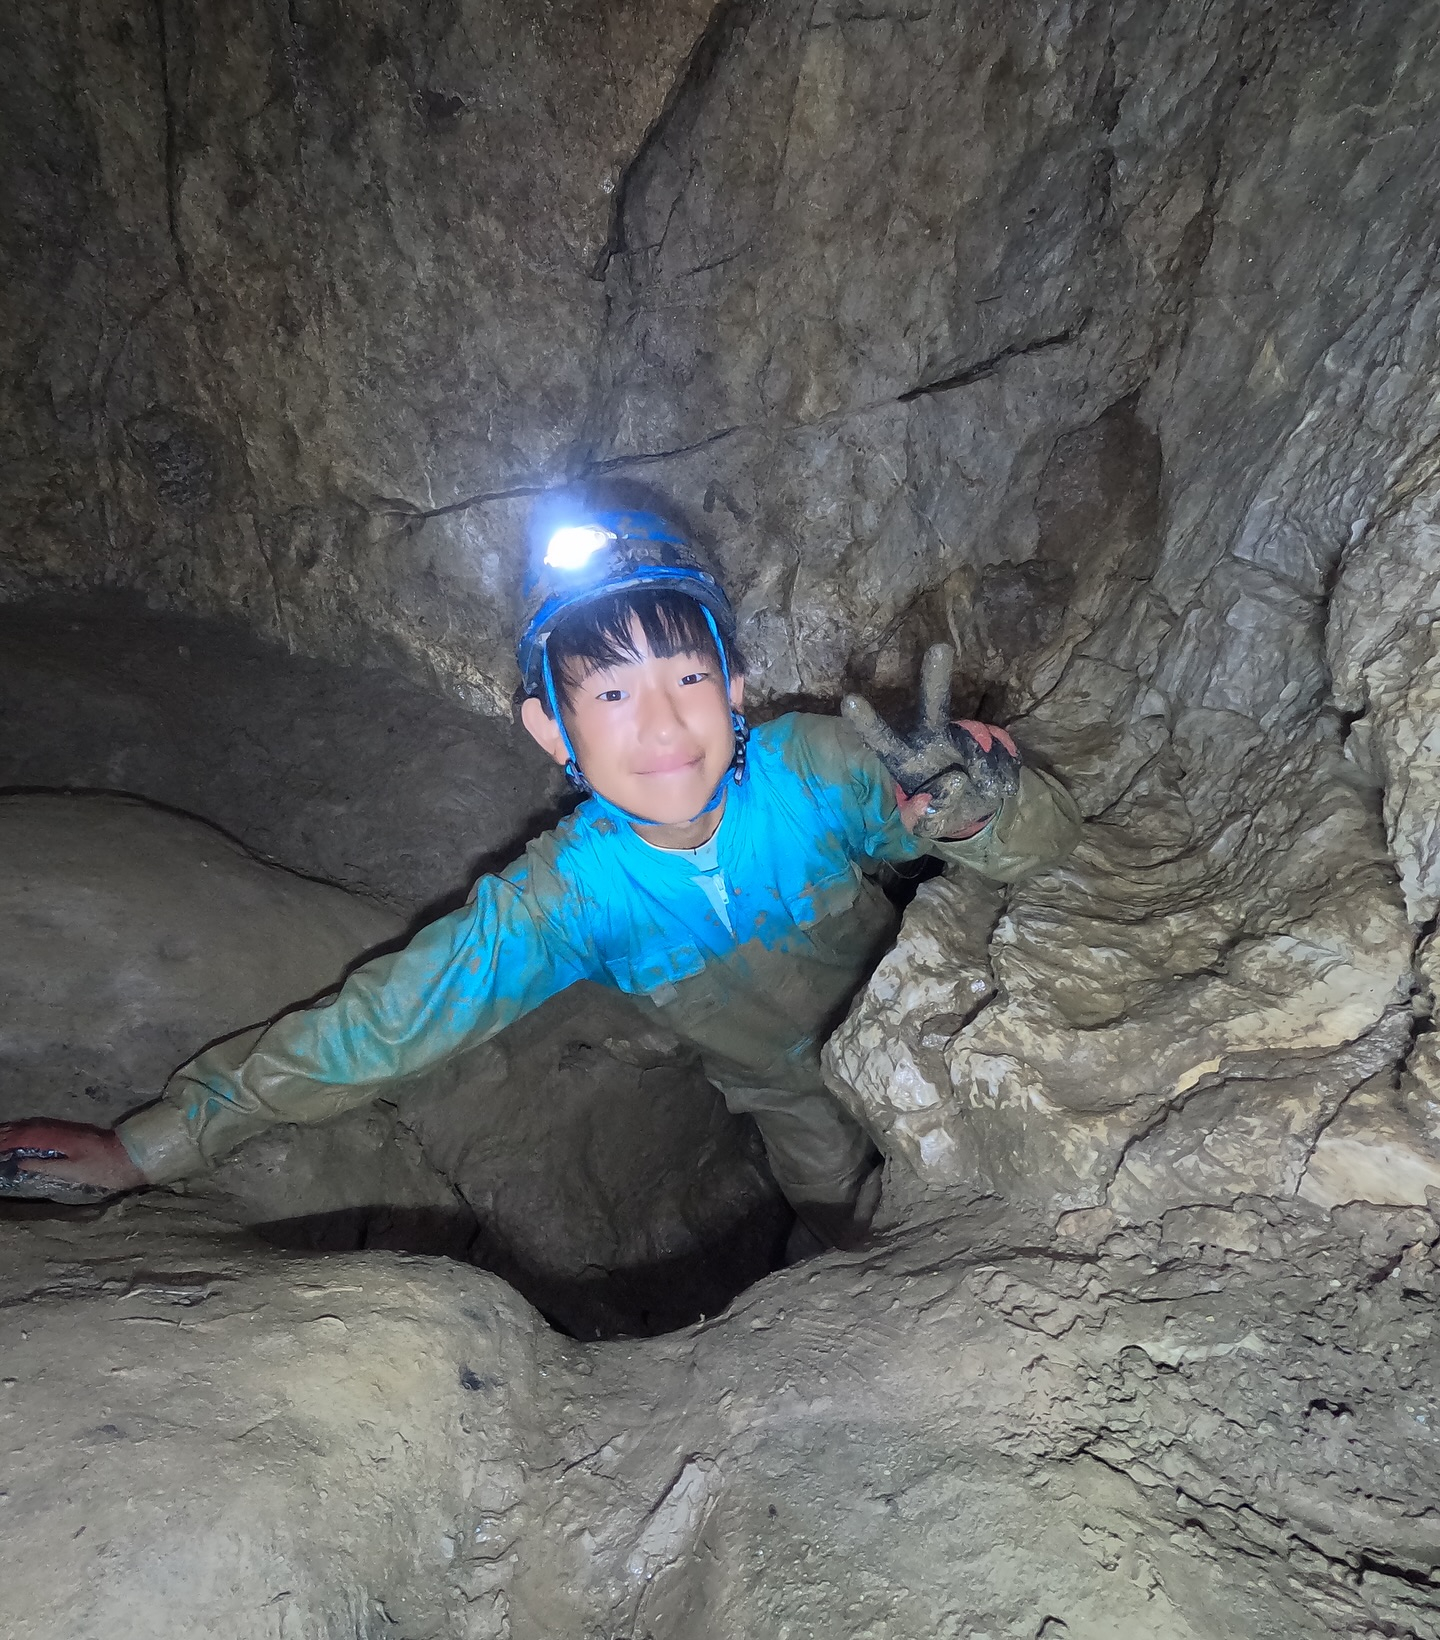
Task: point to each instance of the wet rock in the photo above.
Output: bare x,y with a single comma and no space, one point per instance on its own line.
133,936
1114,1030
1373,1151
1217,1427
1385,656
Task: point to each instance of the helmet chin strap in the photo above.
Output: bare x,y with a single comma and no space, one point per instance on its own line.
573,774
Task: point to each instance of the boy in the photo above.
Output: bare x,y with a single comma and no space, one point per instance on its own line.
715,874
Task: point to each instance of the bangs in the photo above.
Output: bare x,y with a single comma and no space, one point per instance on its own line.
600,635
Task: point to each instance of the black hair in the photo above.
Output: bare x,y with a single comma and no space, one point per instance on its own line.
599,635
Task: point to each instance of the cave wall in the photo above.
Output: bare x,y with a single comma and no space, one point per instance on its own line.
1098,338
277,291
989,318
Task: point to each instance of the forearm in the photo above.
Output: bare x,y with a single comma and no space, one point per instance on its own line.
228,1094
459,980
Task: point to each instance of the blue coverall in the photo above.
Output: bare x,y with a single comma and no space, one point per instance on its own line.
756,970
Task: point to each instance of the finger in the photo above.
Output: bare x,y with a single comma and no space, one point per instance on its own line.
913,809
978,732
935,674
1004,739
873,730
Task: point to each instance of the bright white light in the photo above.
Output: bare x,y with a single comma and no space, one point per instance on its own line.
575,545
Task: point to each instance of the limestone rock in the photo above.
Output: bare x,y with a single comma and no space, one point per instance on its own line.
1250,1388
1385,655
918,316
130,937
196,1442
886,1059
1372,1152
1113,1018
280,296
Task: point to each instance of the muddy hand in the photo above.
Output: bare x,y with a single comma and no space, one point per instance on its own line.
966,769
63,1162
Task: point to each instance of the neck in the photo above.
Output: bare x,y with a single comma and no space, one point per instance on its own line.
685,833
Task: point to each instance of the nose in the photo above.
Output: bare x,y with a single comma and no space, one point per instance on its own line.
658,716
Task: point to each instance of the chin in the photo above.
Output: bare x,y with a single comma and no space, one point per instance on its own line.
669,814
669,809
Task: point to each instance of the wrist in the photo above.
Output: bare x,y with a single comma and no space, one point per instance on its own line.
124,1174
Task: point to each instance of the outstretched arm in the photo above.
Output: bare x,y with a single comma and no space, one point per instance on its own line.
460,980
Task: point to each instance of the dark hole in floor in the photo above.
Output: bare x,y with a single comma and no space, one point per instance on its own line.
634,1301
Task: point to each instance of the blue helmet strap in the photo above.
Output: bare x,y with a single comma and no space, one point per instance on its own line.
572,768
575,776
737,718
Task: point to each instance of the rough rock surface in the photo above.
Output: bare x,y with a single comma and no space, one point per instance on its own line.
346,1400
347,773
1222,1426
598,1171
132,937
1098,338
1385,658
282,295
965,319
1147,1037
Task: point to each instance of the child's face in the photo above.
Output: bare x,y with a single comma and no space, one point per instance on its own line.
654,736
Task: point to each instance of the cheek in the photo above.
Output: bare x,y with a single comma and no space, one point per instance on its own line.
598,732
710,718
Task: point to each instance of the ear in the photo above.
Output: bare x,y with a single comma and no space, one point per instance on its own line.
737,690
543,730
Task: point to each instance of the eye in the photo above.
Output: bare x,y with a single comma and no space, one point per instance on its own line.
695,677
611,694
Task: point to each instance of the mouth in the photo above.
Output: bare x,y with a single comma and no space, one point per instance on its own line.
671,766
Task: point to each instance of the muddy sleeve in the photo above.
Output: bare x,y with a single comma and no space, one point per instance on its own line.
458,981
852,788
1037,827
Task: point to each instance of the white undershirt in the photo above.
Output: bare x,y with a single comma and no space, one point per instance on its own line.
704,862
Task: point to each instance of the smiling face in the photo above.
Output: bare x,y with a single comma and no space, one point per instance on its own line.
652,735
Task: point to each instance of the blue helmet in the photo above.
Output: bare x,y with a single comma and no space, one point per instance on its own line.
579,555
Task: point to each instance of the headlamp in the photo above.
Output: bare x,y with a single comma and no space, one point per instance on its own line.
573,546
